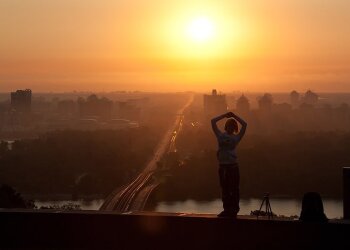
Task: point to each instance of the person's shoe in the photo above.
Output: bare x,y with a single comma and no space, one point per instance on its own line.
233,215
223,214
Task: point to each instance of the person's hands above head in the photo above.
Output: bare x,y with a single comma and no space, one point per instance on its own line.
229,114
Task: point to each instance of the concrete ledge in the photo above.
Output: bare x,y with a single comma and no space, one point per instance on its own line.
101,230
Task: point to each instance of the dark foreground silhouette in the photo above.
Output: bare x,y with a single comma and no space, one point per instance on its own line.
95,230
312,208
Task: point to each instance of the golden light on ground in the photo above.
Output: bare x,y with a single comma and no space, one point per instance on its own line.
201,29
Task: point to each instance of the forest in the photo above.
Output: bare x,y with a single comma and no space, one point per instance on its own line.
75,162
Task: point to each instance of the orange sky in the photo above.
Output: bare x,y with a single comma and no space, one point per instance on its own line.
105,45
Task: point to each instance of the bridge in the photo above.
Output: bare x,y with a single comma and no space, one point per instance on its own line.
134,196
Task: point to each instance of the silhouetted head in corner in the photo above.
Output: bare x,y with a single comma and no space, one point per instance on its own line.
312,208
231,126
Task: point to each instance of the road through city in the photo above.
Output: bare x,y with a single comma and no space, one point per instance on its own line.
133,197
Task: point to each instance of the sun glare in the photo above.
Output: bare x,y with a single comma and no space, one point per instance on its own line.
202,34
201,29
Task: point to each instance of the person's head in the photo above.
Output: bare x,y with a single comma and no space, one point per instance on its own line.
231,126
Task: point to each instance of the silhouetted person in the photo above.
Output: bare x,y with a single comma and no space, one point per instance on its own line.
228,165
312,208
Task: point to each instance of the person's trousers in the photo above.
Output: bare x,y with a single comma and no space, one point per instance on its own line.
229,182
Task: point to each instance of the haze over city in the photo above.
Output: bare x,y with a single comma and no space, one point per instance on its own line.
153,45
158,124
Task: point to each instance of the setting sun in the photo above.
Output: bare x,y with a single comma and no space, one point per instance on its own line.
191,36
201,29
145,44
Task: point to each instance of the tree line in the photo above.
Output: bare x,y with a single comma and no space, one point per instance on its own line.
76,162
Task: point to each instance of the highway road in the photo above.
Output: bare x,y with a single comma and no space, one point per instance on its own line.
133,197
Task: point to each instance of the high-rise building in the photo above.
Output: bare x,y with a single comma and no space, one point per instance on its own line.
21,101
215,103
242,104
265,102
95,106
311,98
294,98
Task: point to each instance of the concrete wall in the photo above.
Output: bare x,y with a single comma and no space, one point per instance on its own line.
101,230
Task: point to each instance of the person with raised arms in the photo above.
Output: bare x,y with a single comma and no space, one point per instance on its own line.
227,157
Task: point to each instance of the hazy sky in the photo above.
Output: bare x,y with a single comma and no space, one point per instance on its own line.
103,45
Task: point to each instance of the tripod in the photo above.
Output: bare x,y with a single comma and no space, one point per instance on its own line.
268,210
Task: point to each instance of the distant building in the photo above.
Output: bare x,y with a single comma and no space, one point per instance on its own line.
310,98
242,104
294,98
265,102
139,102
66,107
127,110
21,101
283,108
214,104
95,107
